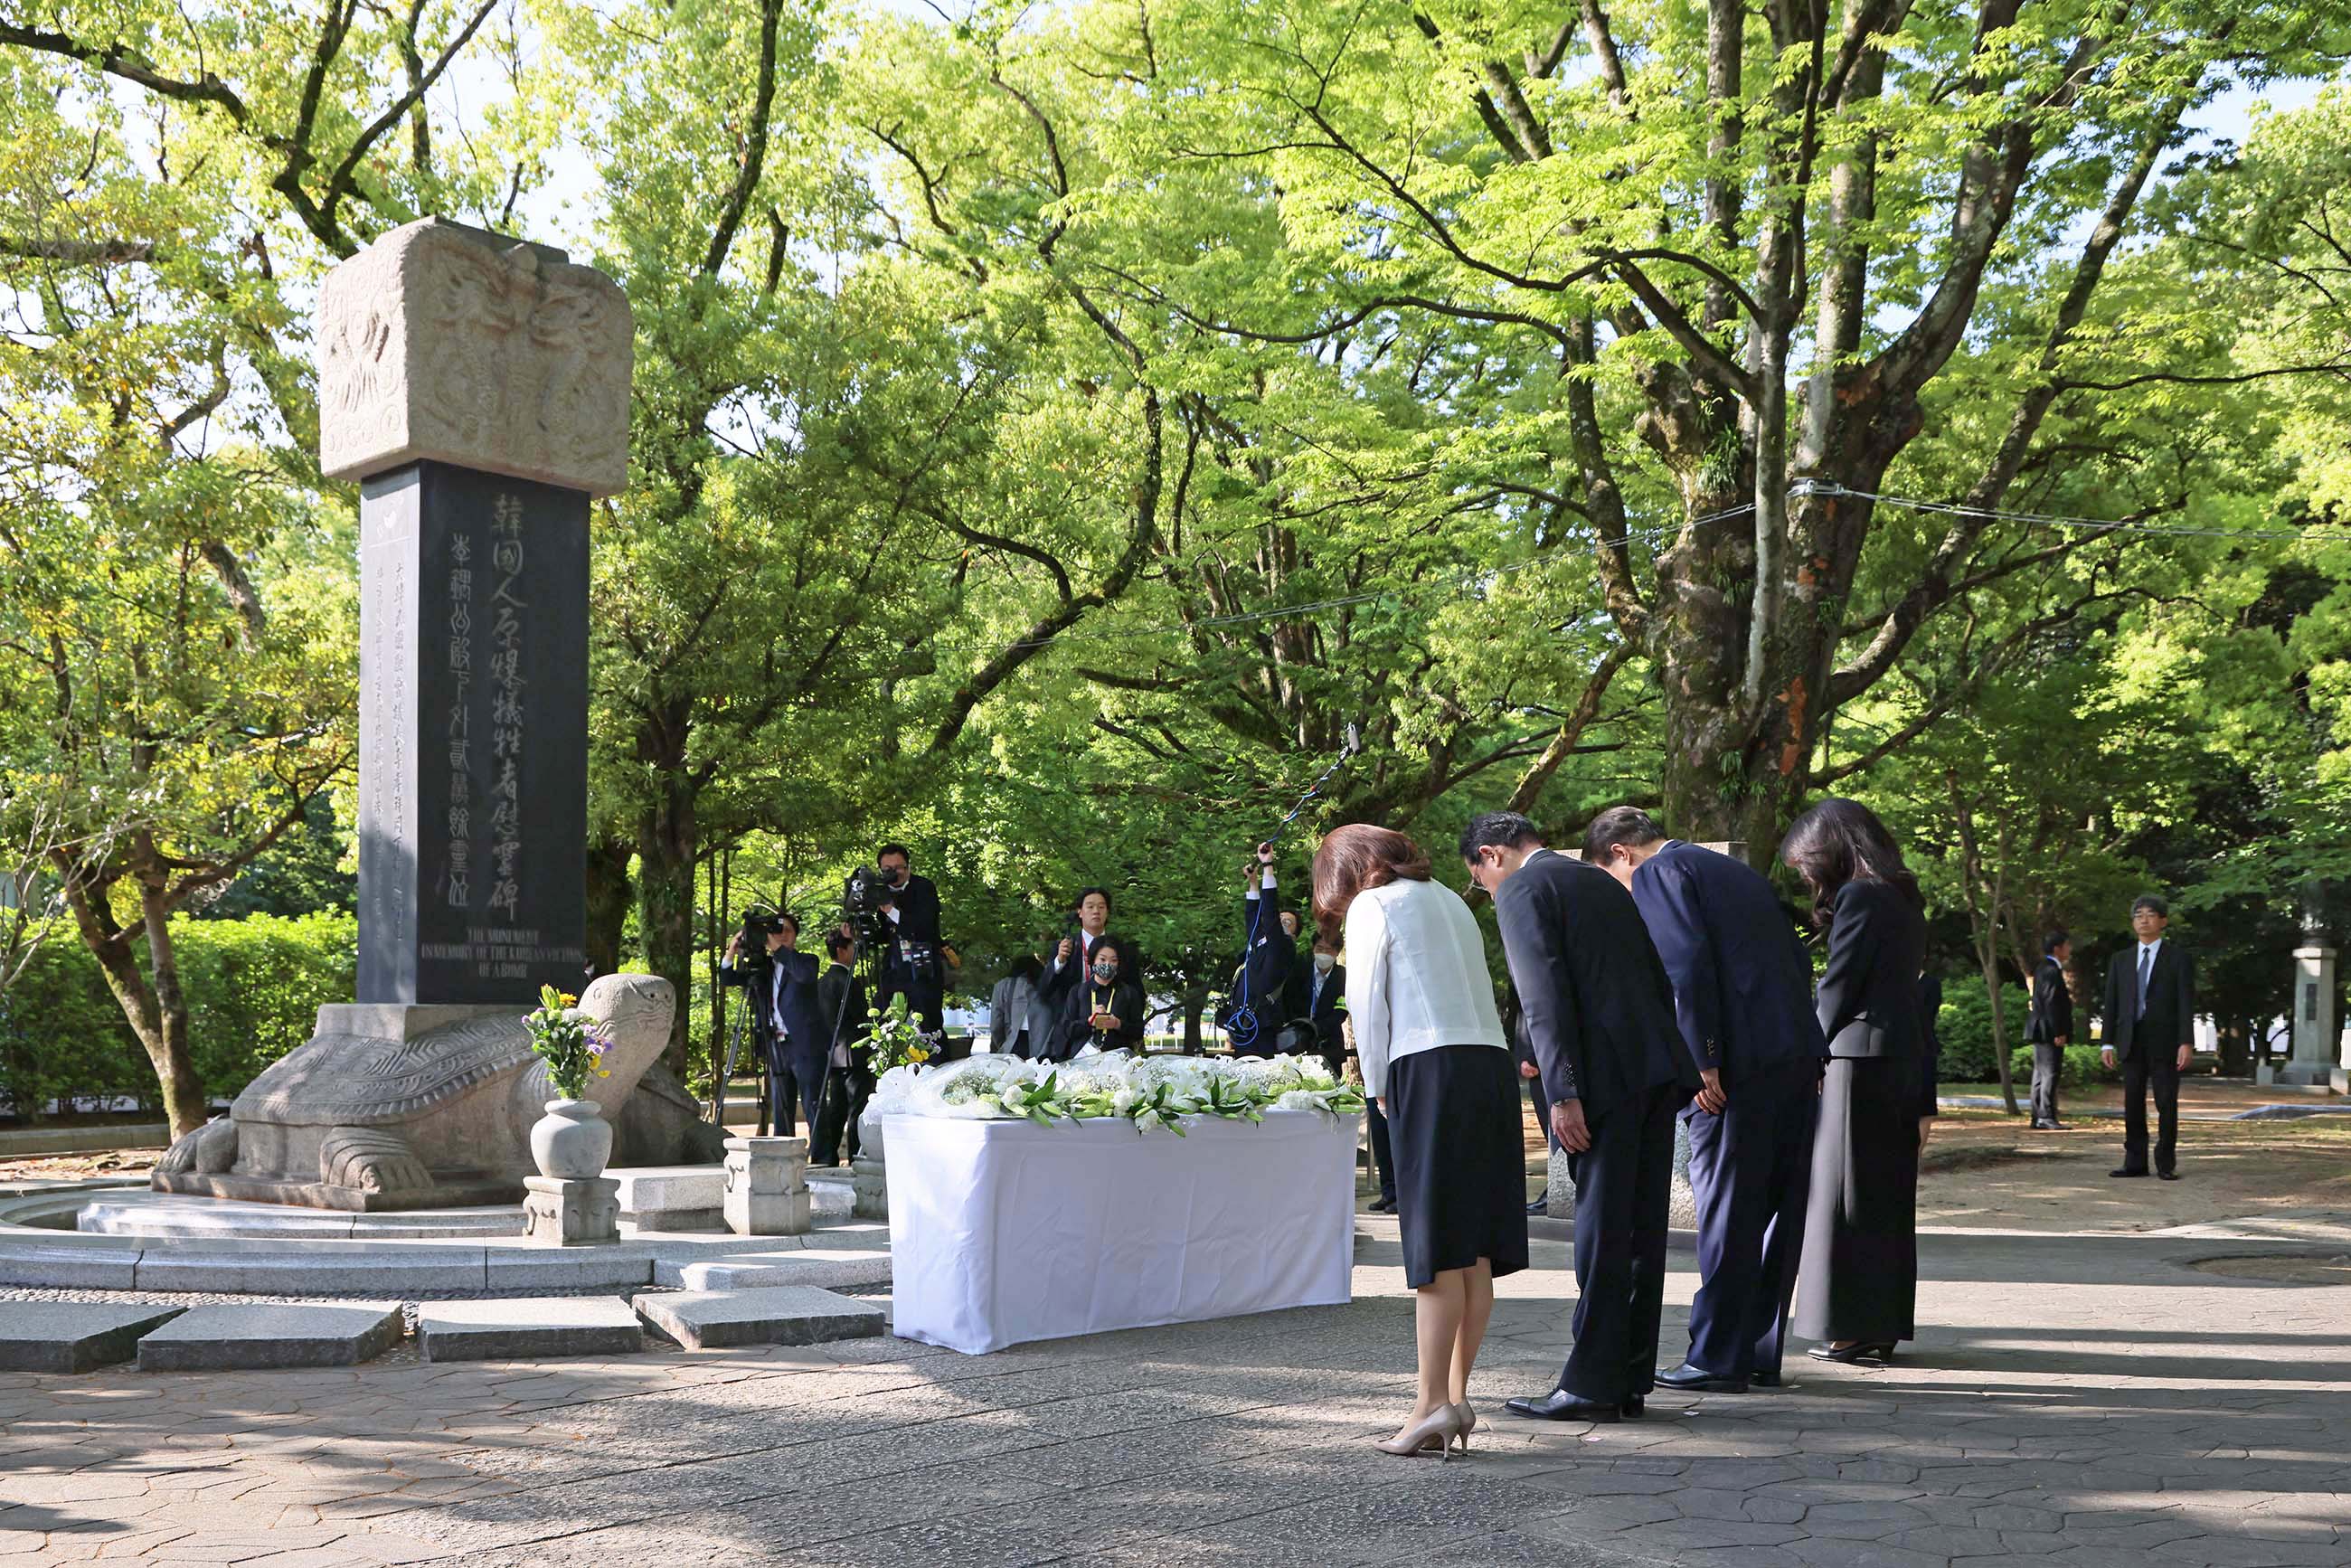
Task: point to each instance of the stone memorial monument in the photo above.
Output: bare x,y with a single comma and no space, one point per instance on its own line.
476,388
2314,1061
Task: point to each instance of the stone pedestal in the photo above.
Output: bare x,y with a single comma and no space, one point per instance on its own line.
2313,1061
869,1181
558,1213
1681,1212
766,1187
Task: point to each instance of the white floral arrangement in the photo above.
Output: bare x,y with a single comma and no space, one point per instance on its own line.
1151,1091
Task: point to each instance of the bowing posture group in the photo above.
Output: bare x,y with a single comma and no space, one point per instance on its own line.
1656,979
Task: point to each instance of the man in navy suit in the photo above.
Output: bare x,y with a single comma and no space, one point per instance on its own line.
1743,998
788,1022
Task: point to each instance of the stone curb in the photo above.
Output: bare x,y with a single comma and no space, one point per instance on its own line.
528,1328
73,1336
246,1337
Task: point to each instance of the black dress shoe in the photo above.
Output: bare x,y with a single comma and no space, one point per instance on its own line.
1633,1408
2166,1175
1859,1351
1697,1379
2126,1171
1539,1206
1559,1404
1764,1380
1383,1206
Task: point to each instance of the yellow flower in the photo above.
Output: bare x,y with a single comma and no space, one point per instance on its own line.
566,998
918,1054
603,1072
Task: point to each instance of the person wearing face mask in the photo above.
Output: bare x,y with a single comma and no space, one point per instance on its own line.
1317,999
1068,960
789,1026
1103,1010
918,961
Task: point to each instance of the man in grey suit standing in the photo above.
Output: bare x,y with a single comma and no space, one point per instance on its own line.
2150,1013
2051,1029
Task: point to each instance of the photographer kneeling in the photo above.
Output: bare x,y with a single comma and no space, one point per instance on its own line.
786,1023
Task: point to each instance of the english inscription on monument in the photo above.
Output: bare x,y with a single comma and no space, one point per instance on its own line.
472,736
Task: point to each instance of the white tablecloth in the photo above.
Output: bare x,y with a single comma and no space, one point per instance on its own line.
1005,1231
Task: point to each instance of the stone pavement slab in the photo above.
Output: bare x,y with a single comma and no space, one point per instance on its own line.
72,1336
219,1337
527,1327
781,1314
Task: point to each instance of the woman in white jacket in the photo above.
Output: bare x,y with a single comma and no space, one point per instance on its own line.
1422,1004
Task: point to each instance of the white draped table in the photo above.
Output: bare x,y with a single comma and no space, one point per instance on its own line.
1004,1231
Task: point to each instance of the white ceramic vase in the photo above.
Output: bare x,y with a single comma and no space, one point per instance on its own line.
572,1141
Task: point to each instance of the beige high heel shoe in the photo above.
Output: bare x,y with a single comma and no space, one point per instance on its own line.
1437,1430
1465,1421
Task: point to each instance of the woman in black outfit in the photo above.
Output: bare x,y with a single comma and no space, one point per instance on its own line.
1103,1009
1857,1285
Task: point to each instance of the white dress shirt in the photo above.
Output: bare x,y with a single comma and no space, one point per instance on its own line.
1416,977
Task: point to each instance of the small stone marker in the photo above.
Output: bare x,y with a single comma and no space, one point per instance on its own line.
223,1338
827,1269
787,1314
670,1198
72,1336
766,1187
576,1213
528,1328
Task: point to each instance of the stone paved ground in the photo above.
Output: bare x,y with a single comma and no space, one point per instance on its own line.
2078,1400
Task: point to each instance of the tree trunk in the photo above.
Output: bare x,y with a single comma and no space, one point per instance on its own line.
666,843
608,893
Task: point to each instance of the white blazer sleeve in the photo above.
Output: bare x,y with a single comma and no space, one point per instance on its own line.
1368,990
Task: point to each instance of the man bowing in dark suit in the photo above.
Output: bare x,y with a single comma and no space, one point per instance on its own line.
1743,998
2150,1023
1600,1018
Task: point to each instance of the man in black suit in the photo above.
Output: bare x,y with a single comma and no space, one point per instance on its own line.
849,1072
2051,1029
1317,1001
1068,962
917,963
2150,1014
1743,998
786,1023
1600,1016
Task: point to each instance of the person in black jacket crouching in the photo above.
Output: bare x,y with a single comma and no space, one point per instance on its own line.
1105,1009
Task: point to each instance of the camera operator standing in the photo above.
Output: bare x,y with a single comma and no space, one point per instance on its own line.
916,962
786,1023
849,1074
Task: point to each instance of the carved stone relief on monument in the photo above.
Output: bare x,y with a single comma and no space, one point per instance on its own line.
446,342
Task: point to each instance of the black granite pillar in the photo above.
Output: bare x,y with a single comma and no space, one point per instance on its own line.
473,736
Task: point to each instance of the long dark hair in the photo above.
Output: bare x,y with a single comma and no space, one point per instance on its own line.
1839,840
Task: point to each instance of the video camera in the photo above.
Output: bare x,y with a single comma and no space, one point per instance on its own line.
862,898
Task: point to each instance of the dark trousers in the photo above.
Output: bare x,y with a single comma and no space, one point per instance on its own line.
1383,1154
787,1089
1622,1186
2149,1065
2048,1061
846,1089
925,996
1749,1168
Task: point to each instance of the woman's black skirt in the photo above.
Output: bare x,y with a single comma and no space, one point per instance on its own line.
1859,1278
1460,1160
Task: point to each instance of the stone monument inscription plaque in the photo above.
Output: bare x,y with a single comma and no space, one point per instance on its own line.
472,736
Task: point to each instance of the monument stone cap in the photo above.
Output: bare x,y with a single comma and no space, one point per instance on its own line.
455,345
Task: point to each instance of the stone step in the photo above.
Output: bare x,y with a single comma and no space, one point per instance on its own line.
528,1328
72,1336
829,1269
784,1314
670,1198
223,1338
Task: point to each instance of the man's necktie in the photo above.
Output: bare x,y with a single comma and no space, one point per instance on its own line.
2146,966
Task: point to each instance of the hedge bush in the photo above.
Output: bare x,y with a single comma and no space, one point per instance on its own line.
1964,1026
254,987
2082,1068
